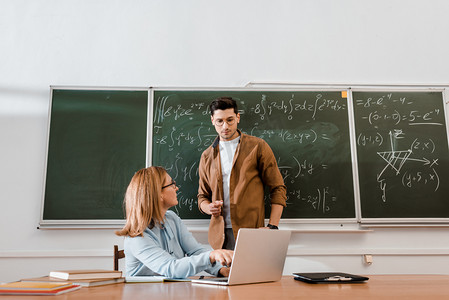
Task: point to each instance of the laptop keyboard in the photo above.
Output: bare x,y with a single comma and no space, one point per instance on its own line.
221,279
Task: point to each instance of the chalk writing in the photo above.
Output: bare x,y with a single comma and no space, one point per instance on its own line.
307,131
370,139
267,107
398,154
413,179
412,117
320,201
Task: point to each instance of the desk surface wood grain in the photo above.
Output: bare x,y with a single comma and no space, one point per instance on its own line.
396,287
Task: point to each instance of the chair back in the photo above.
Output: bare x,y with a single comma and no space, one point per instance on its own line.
118,254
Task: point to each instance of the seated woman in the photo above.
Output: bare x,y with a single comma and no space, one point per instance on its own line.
156,240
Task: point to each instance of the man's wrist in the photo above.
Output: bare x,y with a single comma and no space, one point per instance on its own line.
272,226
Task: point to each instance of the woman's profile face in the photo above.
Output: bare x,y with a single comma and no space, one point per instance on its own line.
169,193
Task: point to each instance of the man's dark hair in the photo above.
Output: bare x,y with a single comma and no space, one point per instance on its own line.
223,103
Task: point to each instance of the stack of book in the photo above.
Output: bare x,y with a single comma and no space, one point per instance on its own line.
85,274
85,278
37,288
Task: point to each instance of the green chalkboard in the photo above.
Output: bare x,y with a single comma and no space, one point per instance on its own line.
307,130
402,153
97,140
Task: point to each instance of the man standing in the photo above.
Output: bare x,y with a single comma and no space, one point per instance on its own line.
233,173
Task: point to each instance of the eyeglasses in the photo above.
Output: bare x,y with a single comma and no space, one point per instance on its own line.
229,121
172,183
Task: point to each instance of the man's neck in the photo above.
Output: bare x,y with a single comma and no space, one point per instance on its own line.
236,135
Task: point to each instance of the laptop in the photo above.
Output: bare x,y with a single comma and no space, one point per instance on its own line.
259,256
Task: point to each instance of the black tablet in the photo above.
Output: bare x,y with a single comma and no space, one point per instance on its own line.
329,277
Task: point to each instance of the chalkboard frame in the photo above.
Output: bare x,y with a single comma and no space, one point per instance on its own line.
292,221
84,223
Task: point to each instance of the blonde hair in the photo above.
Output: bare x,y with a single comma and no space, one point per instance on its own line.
142,201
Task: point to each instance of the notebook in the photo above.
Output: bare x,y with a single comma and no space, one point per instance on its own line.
259,256
329,277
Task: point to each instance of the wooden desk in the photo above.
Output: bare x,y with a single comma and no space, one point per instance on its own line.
378,287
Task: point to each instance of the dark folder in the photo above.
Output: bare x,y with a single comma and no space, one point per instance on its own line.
329,277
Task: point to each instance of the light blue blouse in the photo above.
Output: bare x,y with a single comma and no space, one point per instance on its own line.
170,251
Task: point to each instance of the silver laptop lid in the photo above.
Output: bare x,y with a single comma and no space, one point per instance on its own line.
259,255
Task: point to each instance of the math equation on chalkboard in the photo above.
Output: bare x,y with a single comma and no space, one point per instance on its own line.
307,131
402,152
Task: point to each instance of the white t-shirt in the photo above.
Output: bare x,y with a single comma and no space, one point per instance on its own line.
227,152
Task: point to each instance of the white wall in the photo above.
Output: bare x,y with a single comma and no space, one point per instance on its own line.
206,43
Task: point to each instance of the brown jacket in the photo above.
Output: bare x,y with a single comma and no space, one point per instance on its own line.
254,167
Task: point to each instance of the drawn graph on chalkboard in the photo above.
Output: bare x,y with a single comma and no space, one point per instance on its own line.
396,159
